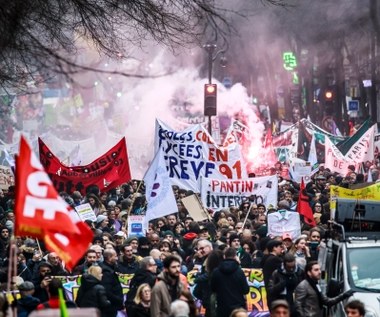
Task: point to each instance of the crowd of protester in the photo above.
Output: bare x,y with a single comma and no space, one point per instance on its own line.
218,248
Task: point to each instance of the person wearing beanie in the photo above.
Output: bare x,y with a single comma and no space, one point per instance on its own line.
168,235
144,248
102,223
41,280
27,303
133,241
244,257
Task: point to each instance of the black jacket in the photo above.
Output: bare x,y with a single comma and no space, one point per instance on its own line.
202,289
25,305
114,291
92,294
270,263
130,267
245,259
282,285
139,310
141,277
230,285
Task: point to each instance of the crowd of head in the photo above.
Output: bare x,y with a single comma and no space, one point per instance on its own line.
238,232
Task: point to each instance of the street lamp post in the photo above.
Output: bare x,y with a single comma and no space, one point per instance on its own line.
210,48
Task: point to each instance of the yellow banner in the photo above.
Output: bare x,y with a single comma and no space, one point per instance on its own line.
371,192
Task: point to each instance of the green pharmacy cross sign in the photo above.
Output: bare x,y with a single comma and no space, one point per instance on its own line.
290,61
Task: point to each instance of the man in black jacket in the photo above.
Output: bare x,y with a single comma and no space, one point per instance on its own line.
147,273
129,262
230,284
90,259
284,281
111,283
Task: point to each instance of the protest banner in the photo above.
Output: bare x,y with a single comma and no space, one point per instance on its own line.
6,177
195,208
85,212
284,221
334,159
40,212
192,154
107,172
299,169
371,192
218,194
257,304
363,148
136,225
376,144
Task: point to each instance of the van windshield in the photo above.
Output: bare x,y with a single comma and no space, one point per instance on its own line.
364,268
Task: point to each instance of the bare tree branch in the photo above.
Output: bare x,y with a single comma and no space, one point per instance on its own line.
44,34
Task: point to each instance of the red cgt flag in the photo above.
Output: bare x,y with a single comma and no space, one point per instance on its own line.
303,206
42,213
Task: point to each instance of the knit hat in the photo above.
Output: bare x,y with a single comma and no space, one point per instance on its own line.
279,303
111,203
168,233
130,239
143,241
100,219
26,286
44,264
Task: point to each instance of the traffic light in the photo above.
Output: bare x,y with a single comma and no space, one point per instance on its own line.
329,97
210,100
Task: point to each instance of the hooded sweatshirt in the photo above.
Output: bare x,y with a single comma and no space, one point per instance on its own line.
230,285
92,294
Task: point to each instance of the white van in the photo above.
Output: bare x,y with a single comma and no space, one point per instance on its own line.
353,257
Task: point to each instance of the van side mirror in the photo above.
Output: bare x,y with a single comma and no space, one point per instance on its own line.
333,288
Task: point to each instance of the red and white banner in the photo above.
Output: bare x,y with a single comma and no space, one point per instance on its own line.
107,172
334,159
41,213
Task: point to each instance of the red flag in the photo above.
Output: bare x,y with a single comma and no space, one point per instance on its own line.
41,213
108,171
303,206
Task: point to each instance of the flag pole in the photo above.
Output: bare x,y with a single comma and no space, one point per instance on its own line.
39,247
134,198
10,265
12,268
246,216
